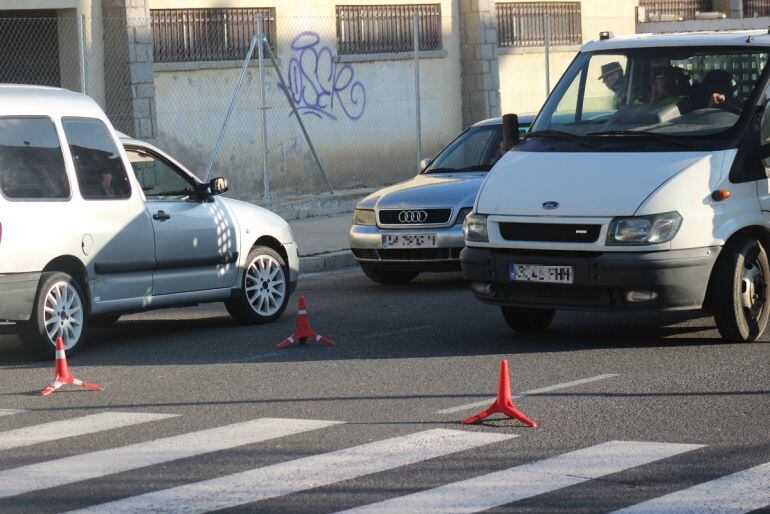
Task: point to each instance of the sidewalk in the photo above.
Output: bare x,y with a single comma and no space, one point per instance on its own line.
323,242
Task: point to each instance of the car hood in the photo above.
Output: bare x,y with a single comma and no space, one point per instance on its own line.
583,184
444,190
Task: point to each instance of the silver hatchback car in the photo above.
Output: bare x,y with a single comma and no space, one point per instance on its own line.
416,225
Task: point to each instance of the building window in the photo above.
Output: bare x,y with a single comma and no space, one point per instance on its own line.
371,29
753,8
523,23
184,35
672,10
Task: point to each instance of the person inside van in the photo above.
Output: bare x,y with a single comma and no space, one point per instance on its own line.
718,90
612,77
106,184
668,87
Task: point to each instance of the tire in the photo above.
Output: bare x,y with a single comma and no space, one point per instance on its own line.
104,320
59,296
740,291
264,291
389,277
524,319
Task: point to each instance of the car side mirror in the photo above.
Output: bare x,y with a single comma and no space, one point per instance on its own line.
217,186
510,132
425,163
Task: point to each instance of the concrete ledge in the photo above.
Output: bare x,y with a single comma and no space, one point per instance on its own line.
392,56
326,262
209,65
536,49
324,204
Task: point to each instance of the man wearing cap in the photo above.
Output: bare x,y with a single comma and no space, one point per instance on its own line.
612,76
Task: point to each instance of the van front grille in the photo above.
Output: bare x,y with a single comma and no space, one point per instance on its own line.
550,232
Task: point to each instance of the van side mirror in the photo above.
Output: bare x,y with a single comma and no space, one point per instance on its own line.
425,163
760,153
510,132
217,186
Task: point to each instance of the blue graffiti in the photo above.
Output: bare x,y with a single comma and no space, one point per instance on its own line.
318,85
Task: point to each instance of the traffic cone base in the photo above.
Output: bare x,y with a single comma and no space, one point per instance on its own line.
504,403
303,333
63,375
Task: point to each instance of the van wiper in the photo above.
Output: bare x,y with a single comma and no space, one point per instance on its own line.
440,170
558,133
666,138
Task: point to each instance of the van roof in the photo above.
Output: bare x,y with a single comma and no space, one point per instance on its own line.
24,100
759,38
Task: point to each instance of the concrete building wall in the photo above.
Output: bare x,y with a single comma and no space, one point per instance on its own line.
523,70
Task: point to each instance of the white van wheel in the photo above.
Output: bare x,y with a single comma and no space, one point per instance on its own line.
740,291
59,311
263,295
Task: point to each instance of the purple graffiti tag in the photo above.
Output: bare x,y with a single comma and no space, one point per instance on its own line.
318,85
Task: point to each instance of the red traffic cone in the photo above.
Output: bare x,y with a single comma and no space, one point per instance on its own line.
63,375
303,332
504,403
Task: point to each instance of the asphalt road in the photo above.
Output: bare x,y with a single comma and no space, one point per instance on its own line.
688,409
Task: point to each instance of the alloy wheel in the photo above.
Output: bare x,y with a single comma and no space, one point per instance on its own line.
63,314
265,285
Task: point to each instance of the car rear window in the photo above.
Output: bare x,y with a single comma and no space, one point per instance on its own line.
99,168
31,161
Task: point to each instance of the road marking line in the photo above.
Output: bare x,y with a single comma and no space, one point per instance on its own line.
301,474
87,466
520,482
743,491
74,427
8,412
484,403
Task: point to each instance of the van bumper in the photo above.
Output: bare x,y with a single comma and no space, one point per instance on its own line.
17,295
667,280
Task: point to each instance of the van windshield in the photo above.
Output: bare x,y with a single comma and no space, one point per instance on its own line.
660,93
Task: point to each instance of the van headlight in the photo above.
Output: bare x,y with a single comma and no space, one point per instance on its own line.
475,228
364,217
644,230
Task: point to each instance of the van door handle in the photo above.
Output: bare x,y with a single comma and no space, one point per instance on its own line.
161,216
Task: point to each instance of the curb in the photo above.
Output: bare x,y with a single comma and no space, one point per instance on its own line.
326,262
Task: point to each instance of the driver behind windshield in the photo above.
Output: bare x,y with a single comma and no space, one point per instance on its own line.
667,87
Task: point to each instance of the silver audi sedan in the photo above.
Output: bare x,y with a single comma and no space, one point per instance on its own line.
417,225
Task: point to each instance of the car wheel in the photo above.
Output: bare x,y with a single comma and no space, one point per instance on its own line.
741,291
524,319
387,276
59,311
103,320
264,291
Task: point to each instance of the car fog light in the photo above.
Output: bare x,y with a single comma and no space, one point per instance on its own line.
483,289
640,296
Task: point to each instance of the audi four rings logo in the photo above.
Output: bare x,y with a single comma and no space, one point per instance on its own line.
412,217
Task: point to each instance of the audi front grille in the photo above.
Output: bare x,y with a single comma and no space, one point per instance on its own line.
415,216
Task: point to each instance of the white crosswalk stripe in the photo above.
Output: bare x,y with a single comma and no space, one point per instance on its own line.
520,482
302,474
87,466
740,492
74,427
8,412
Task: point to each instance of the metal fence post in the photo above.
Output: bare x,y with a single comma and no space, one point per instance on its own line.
547,33
417,86
232,106
263,107
83,55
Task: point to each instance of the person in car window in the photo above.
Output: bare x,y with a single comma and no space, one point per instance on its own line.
613,78
719,88
667,87
106,185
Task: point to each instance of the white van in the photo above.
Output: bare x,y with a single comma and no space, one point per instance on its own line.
642,184
92,227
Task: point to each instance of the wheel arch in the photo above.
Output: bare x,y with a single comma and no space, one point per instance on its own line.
274,244
757,232
75,268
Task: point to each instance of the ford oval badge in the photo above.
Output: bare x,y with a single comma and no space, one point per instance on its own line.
550,205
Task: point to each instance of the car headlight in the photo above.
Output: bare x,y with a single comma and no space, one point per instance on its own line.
462,214
644,230
475,228
364,217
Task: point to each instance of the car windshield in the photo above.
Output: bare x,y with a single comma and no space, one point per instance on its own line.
664,92
476,149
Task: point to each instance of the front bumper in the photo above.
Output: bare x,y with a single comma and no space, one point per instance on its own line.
17,295
366,243
675,280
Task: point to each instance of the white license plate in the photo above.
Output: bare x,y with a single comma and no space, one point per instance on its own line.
409,241
538,273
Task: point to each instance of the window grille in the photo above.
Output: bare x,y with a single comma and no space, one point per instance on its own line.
522,24
184,35
752,8
368,29
656,10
